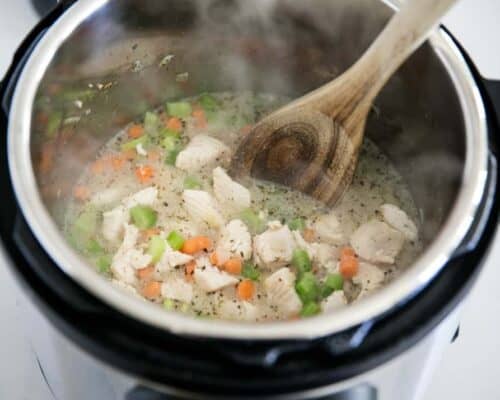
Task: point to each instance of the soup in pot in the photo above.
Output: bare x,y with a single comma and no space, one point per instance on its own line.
159,215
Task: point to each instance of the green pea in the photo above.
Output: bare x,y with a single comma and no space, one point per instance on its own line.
301,261
310,309
307,287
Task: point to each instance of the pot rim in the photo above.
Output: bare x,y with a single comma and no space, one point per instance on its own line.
414,279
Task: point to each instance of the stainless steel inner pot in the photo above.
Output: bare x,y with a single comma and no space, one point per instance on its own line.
112,60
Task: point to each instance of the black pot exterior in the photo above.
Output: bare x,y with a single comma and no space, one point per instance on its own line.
270,367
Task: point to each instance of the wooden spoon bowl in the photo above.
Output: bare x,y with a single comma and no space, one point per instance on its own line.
312,144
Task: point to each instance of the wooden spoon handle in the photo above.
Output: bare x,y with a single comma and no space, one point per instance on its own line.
404,33
348,98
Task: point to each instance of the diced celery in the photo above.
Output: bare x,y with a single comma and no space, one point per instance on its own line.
250,271
94,248
254,223
152,123
165,132
301,261
297,224
171,157
208,102
307,287
103,263
191,182
175,240
156,248
132,144
84,227
180,109
170,143
53,124
310,309
169,304
143,217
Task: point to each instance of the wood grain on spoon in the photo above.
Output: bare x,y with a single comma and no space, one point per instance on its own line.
312,144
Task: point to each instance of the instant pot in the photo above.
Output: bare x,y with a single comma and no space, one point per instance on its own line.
91,66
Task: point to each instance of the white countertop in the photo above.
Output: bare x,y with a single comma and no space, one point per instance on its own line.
469,369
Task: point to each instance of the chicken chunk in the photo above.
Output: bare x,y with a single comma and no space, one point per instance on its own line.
328,229
377,242
113,222
177,289
369,277
230,194
274,248
325,254
210,278
144,197
128,259
201,152
335,301
202,206
171,259
238,310
280,290
399,220
234,241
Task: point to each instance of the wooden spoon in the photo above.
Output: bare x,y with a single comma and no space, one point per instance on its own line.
312,144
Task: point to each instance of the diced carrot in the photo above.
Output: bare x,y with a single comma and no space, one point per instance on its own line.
129,155
98,166
117,162
196,244
204,243
233,266
189,270
148,233
213,258
309,235
174,124
190,246
47,157
152,290
348,266
245,130
246,289
135,131
145,273
144,173
153,155
200,118
81,192
347,252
